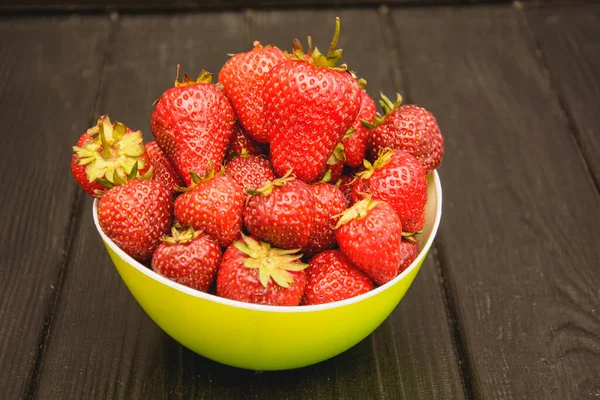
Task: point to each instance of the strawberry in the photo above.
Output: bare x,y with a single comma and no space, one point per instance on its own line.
250,172
163,170
241,141
357,140
281,213
135,215
399,179
335,164
106,154
188,257
193,124
329,202
345,184
254,272
309,105
332,277
369,233
213,204
243,78
409,250
409,128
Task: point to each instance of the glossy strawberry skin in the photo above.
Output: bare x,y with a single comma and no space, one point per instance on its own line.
250,172
243,77
409,252
236,282
308,109
136,215
214,206
372,243
163,170
192,264
355,147
346,184
329,202
332,277
284,218
241,141
193,126
403,184
412,129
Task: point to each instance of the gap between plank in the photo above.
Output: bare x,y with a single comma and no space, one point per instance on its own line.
66,251
538,54
450,308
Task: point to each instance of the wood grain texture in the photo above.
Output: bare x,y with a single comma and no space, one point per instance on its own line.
42,112
141,5
519,237
569,40
103,345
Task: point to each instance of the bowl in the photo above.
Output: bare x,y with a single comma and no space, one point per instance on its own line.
266,338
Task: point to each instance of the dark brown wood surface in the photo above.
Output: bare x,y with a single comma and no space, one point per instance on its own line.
506,304
48,88
569,43
519,240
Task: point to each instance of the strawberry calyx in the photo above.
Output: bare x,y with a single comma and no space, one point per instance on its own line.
271,262
359,210
362,83
410,236
203,77
384,158
112,153
269,186
196,179
179,235
387,106
316,58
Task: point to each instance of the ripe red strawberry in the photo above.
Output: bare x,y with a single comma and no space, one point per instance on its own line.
213,204
355,145
188,257
281,213
135,215
106,154
409,250
243,78
399,179
309,105
241,141
163,170
332,277
250,172
329,202
193,124
345,184
409,128
254,272
369,233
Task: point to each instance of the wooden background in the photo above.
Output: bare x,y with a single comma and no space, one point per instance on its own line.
507,304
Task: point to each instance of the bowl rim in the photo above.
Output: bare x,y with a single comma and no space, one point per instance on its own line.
269,308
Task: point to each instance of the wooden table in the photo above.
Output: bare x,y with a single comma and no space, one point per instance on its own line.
506,306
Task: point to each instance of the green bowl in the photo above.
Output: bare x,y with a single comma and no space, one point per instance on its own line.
260,337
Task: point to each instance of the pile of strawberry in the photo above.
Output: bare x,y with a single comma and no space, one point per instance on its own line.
284,161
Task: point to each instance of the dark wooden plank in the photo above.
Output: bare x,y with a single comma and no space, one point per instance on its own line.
103,344
41,110
519,240
569,38
140,5
411,355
